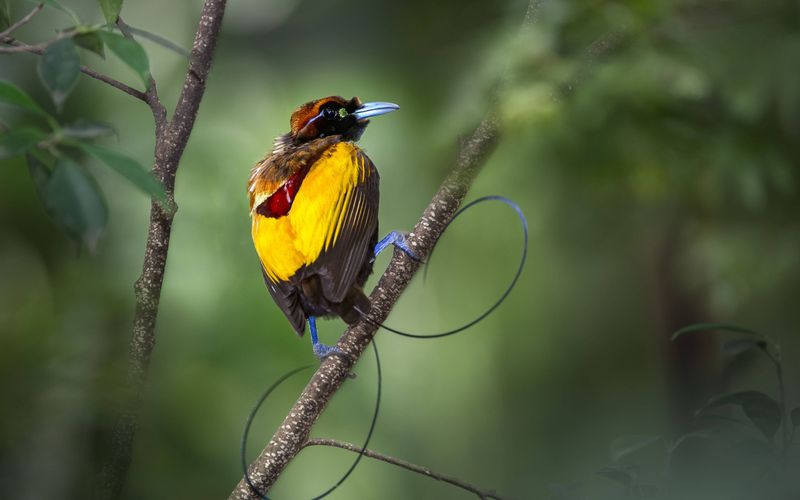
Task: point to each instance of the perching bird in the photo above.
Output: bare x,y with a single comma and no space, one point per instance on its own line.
314,211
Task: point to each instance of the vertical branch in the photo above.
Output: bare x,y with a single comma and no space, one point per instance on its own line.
171,139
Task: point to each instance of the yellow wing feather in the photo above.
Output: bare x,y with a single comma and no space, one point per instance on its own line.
314,222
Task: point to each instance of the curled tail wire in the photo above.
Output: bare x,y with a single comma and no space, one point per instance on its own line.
365,317
502,297
271,388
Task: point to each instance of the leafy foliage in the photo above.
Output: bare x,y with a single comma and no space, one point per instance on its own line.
58,6
721,456
19,140
13,95
5,15
128,168
68,192
762,410
160,40
59,69
130,52
73,199
87,129
91,41
111,9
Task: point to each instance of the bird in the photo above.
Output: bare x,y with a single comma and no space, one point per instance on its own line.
314,215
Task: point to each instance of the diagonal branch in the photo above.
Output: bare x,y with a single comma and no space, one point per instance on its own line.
292,434
405,465
171,140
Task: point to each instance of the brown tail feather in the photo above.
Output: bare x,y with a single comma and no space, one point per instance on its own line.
354,301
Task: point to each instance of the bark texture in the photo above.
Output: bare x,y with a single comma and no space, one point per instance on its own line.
171,139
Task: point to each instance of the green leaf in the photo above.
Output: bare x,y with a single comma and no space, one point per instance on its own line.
19,140
111,9
54,4
87,129
761,409
128,168
703,327
160,40
40,175
130,52
74,200
626,445
734,347
5,15
795,417
59,69
13,95
90,41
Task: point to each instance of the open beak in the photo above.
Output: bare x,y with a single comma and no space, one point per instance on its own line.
370,109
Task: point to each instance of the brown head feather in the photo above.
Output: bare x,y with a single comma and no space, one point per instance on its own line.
303,115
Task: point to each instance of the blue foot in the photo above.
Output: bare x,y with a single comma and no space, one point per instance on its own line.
398,239
321,351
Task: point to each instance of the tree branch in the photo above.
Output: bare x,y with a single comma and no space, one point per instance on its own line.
151,96
292,434
405,465
22,22
171,140
114,83
17,46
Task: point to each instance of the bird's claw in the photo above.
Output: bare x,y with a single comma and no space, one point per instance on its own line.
400,240
322,351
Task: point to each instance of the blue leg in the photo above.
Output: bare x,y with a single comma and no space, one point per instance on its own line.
398,239
321,350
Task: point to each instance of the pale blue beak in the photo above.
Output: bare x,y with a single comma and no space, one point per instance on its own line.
370,109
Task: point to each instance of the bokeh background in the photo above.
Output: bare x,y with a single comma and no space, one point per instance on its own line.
660,182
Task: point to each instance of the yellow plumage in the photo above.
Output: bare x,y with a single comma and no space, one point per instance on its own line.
285,244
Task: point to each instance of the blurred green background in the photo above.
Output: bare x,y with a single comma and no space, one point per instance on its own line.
660,180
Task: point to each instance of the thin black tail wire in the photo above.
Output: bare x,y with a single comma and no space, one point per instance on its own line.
364,316
502,297
270,389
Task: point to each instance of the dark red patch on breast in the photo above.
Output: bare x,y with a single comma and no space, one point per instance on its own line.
280,202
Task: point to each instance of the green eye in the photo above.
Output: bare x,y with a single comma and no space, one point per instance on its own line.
342,112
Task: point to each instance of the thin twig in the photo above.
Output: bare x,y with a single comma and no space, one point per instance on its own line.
151,96
114,83
18,47
39,50
22,22
405,465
